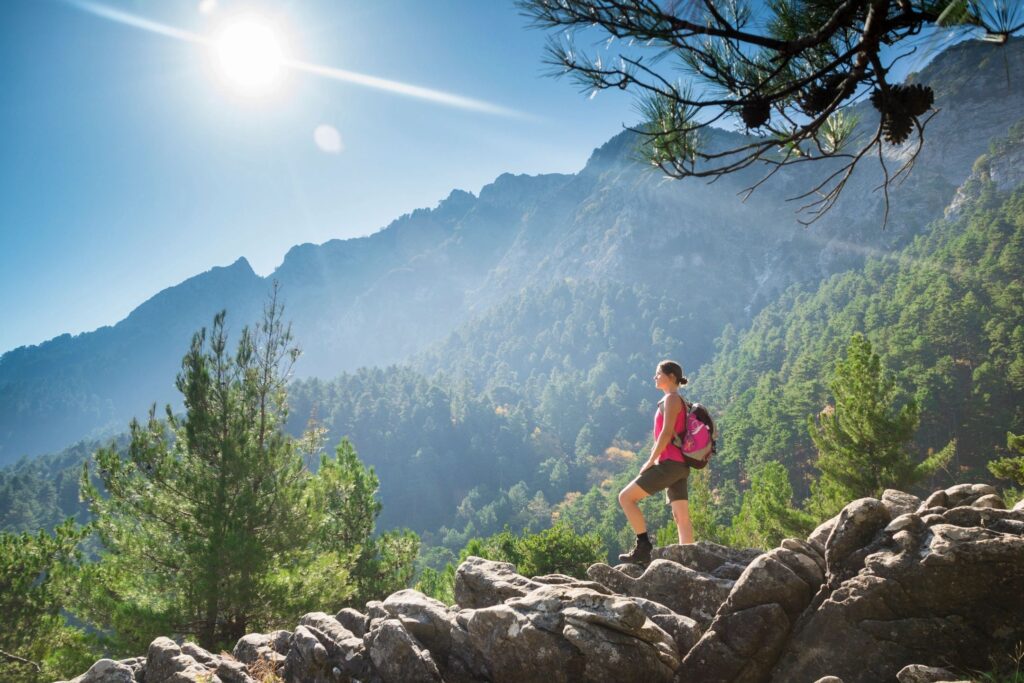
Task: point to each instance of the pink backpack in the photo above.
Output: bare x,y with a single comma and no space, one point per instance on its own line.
697,440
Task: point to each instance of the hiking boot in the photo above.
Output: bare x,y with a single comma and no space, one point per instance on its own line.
640,554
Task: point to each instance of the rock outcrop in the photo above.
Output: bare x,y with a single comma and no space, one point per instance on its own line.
890,589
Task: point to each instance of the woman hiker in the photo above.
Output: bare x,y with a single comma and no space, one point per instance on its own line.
664,469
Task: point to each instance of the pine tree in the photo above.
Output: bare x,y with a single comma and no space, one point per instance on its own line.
863,439
767,515
212,525
36,575
378,565
1011,468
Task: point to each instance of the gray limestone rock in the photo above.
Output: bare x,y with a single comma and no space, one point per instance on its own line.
165,663
684,630
354,620
559,633
899,503
324,651
769,580
327,625
804,565
850,540
990,500
107,671
231,670
949,588
398,657
937,499
738,646
919,673
966,494
375,610
264,648
200,655
820,535
507,646
704,556
428,620
483,583
681,589
563,580
751,627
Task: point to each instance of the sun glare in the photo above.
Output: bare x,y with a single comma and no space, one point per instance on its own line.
250,56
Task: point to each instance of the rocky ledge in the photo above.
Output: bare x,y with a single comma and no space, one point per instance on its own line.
890,589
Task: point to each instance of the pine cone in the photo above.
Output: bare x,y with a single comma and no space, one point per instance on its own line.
917,99
756,113
900,108
817,97
897,127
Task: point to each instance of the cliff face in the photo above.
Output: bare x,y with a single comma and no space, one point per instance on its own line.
886,589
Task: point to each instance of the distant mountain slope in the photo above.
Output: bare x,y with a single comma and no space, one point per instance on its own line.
578,356
382,298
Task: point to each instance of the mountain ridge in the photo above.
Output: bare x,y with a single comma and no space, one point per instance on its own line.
379,299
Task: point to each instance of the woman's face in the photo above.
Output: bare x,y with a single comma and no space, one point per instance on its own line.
663,381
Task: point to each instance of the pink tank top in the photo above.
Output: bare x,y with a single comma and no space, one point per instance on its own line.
671,451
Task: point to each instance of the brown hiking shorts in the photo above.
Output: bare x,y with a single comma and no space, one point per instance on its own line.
671,475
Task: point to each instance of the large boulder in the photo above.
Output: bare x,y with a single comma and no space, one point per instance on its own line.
559,633
770,579
265,649
739,646
398,657
354,620
323,651
684,630
483,583
966,494
428,620
899,502
851,538
683,590
752,624
166,663
708,558
919,673
107,671
940,586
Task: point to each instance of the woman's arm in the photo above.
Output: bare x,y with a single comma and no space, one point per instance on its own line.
673,404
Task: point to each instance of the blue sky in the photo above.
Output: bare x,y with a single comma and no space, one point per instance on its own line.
128,165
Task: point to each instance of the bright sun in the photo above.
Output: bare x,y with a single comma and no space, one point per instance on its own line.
250,56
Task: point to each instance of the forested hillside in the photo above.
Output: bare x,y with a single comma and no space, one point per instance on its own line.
507,415
515,403
532,410
946,316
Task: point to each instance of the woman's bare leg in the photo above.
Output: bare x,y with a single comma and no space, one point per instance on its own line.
628,499
681,513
